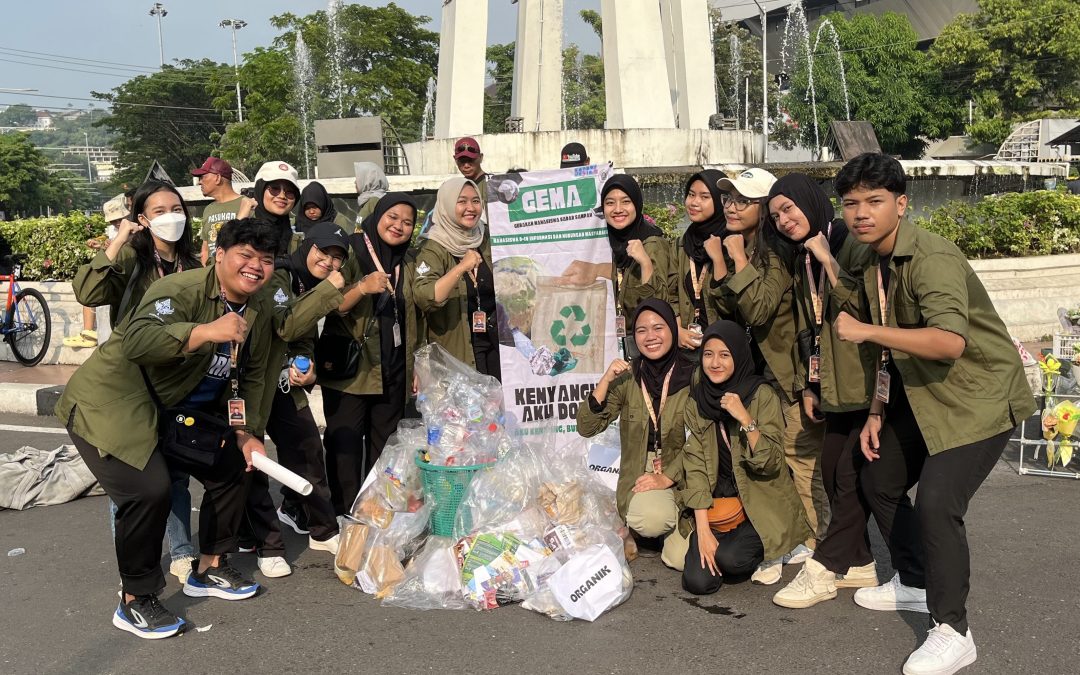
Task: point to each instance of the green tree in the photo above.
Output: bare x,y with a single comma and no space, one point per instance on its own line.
26,186
18,115
1015,59
497,96
167,116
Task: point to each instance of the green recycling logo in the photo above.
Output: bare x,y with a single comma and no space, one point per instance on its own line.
573,328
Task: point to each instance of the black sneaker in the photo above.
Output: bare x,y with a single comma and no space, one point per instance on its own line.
147,618
222,581
294,518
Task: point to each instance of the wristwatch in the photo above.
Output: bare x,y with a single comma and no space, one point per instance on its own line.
749,427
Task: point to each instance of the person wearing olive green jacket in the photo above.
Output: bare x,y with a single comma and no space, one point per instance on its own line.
175,351
305,288
697,252
950,393
741,505
454,286
829,260
364,408
651,457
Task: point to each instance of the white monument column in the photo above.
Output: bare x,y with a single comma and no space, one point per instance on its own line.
690,63
635,67
459,98
537,97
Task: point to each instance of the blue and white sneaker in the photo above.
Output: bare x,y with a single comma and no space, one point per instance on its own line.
147,618
222,581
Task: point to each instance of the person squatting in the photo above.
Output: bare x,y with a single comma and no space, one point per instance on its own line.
790,373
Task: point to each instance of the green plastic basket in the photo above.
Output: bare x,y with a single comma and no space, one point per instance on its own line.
445,486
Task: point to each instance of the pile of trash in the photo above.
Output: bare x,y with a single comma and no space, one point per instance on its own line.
462,513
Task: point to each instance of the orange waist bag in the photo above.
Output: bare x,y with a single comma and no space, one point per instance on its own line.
726,514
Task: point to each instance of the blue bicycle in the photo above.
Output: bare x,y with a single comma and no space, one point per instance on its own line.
27,324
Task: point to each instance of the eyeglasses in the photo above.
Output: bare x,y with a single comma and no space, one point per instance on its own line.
334,257
741,203
465,147
276,189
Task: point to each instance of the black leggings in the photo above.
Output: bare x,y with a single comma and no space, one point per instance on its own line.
738,553
847,541
300,449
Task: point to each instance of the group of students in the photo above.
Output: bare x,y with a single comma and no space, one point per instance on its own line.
766,408
796,373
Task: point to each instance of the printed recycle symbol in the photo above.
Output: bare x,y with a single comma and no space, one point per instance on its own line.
573,328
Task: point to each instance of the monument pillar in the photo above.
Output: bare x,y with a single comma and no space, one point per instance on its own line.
690,64
459,97
537,97
635,66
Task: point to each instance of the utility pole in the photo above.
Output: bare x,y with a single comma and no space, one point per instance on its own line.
764,80
159,11
235,25
89,172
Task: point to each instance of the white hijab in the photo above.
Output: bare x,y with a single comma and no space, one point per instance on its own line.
445,227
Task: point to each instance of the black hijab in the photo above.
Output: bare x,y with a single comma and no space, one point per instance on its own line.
639,229
323,235
316,194
389,256
283,224
697,233
815,205
653,371
744,381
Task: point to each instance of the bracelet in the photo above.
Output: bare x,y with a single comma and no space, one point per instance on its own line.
874,414
749,427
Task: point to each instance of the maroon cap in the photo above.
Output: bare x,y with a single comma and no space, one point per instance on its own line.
214,165
466,147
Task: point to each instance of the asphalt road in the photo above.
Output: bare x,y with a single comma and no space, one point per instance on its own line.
57,598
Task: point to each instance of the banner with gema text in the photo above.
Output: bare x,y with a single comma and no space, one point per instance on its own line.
552,265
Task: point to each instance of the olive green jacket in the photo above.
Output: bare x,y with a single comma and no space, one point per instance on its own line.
107,400
448,323
632,291
625,403
841,388
974,397
763,301
103,282
761,475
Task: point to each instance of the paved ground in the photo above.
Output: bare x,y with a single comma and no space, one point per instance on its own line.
56,600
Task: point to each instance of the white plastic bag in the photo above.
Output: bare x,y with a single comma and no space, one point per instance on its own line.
589,583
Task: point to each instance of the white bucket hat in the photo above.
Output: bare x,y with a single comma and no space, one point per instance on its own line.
752,183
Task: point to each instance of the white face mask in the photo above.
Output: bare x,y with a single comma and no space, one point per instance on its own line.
168,226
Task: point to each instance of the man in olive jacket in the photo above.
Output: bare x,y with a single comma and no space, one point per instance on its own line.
179,341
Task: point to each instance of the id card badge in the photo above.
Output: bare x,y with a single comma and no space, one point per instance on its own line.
397,335
814,371
479,322
881,387
620,326
237,412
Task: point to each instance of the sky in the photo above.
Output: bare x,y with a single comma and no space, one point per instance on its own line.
71,33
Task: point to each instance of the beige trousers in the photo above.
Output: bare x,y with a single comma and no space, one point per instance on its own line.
803,440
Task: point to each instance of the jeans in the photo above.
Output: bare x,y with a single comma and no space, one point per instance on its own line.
178,526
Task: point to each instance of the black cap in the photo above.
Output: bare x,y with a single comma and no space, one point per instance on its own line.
328,234
573,154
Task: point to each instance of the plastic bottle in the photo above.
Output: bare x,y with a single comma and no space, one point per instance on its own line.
302,364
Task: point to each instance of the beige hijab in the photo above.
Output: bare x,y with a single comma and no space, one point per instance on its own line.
445,227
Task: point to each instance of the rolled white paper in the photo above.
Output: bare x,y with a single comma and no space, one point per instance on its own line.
282,475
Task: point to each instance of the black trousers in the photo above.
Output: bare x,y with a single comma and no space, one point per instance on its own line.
847,541
352,419
928,541
486,354
300,449
142,507
738,553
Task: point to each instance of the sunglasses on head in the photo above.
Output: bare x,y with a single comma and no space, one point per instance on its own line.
465,147
276,189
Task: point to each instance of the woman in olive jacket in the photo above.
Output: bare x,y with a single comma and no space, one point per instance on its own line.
735,450
651,462
363,409
454,286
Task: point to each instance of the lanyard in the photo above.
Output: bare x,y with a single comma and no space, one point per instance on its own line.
655,415
234,350
618,285
723,434
391,286
883,305
473,274
698,282
178,266
817,291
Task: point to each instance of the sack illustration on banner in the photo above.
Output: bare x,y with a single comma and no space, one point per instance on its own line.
572,319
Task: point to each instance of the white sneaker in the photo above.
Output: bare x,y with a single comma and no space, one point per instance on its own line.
797,555
181,567
944,652
813,584
893,597
274,566
863,576
330,545
768,572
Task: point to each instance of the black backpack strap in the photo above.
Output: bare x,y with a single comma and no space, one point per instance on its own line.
122,308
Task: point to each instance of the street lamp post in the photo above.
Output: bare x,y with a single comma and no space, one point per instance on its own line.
235,25
159,11
764,80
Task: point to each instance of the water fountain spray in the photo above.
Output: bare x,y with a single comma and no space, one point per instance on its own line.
337,54
429,106
303,75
